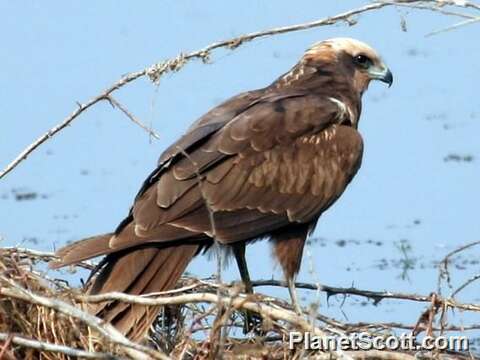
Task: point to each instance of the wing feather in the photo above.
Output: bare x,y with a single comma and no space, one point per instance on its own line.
282,159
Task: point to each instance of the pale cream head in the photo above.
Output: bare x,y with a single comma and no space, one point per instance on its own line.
362,57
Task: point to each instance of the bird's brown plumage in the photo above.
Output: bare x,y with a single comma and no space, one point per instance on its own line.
264,163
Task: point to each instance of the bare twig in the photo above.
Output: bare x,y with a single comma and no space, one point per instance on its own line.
157,70
376,296
434,7
398,325
4,347
45,346
465,284
35,255
455,26
69,119
443,272
218,333
228,302
200,179
128,114
469,4
240,302
27,253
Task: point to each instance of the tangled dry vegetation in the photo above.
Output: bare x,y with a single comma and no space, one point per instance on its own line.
41,318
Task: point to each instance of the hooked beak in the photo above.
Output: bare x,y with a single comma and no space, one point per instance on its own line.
381,73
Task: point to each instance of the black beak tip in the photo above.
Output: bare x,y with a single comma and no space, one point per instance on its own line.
388,78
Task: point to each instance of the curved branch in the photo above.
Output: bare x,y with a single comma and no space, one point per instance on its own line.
45,346
157,70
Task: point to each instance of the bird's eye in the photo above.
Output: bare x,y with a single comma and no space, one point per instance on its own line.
362,60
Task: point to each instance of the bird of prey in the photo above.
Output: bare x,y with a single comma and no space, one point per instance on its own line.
264,164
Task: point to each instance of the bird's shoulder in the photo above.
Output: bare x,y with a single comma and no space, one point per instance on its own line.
257,112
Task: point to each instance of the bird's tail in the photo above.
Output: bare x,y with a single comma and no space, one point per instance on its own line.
132,271
141,271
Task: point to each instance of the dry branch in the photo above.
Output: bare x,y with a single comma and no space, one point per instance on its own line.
127,113
156,71
44,346
376,296
443,272
35,255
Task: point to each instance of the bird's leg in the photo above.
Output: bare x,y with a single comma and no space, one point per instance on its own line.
252,320
288,246
293,295
239,251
